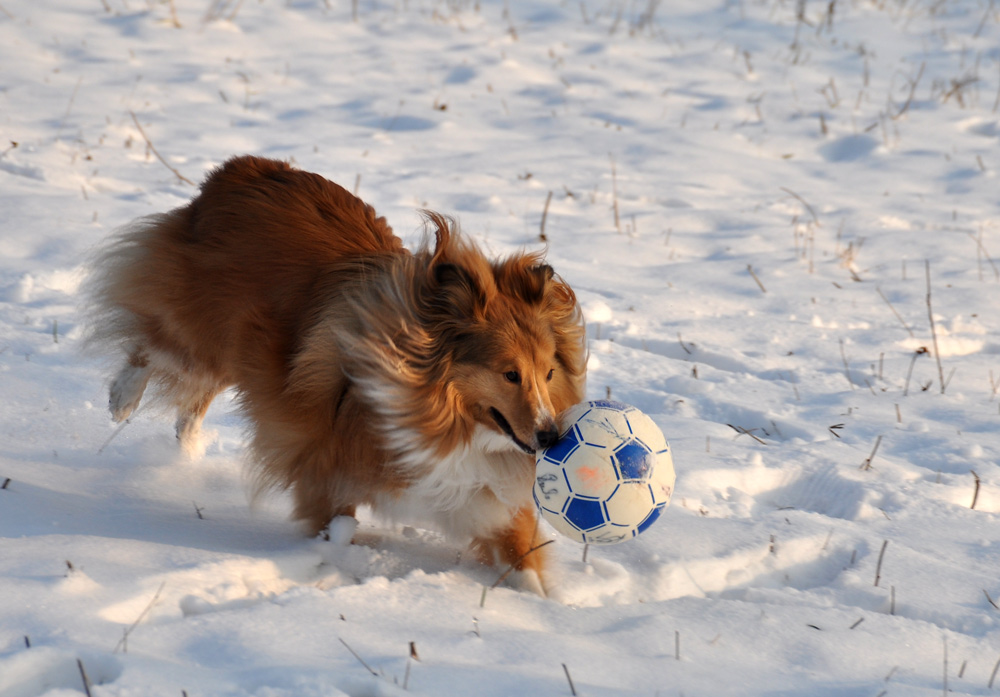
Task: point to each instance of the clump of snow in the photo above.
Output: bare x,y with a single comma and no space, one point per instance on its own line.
746,200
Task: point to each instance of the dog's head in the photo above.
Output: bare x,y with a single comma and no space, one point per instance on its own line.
512,335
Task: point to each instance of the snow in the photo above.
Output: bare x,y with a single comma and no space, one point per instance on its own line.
749,201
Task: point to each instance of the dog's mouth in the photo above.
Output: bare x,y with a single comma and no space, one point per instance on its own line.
505,426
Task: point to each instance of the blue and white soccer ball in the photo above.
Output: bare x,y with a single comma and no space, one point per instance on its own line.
608,477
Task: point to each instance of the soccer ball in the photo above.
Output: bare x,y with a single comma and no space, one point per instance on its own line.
608,477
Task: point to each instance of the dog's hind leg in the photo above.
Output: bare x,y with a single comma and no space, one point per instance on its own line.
190,414
315,503
126,389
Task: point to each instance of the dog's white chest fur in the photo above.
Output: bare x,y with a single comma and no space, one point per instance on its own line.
470,492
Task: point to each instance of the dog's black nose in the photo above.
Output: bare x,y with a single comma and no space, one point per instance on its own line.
547,437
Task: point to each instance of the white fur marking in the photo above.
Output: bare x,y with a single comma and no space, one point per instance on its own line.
472,491
469,492
126,390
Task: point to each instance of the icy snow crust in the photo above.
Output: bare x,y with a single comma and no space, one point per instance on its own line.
744,196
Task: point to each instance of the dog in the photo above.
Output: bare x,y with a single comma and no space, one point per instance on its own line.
416,383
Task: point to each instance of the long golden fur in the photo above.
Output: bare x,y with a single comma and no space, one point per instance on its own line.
414,383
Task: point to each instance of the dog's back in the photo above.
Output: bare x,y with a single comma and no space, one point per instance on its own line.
214,293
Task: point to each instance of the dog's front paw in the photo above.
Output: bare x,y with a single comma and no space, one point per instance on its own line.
528,581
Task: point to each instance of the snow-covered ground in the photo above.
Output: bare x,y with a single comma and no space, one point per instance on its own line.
754,200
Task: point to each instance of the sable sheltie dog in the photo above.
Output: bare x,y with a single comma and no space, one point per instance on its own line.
416,383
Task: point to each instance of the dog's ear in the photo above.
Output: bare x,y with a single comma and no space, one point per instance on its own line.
455,292
544,271
524,277
536,282
445,239
448,274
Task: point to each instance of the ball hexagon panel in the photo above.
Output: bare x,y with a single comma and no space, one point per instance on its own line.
585,514
650,519
564,447
634,460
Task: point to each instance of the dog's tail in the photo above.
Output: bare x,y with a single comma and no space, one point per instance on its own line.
125,277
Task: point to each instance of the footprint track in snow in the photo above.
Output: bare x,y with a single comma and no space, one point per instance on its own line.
825,491
803,563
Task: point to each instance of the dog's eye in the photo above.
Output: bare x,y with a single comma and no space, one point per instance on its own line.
513,376
548,377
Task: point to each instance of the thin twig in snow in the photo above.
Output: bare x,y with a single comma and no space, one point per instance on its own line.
898,316
878,567
982,22
945,669
743,431
996,104
759,284
683,345
83,676
545,215
930,316
867,464
173,16
123,643
614,194
919,352
69,107
513,566
572,688
159,157
981,252
913,89
412,657
847,368
360,660
114,433
805,204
